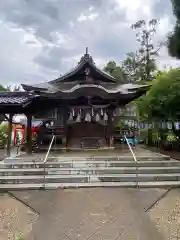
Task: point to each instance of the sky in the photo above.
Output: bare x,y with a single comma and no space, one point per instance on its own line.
41,39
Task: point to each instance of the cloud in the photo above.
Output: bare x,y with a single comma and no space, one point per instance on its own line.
42,39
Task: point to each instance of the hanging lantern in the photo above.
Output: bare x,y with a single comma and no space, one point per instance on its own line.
70,116
97,117
92,112
78,119
169,125
88,117
105,116
102,112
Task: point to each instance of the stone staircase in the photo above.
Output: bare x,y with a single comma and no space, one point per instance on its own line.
67,172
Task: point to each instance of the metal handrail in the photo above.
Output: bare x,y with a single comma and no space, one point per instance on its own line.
46,157
134,157
50,145
130,148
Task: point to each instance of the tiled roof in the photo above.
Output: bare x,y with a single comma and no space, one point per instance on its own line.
84,60
12,99
108,88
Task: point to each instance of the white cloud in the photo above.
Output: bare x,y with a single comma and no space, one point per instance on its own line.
90,15
16,58
41,39
135,10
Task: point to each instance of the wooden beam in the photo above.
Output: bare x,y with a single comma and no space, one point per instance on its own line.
29,134
8,149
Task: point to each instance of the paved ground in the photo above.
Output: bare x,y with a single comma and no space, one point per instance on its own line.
99,213
139,152
3,152
89,214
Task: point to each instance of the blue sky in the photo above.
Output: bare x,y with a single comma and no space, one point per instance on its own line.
41,39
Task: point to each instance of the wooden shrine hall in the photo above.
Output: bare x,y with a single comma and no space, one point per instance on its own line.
82,106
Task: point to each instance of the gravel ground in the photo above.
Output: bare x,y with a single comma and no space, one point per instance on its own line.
15,218
166,215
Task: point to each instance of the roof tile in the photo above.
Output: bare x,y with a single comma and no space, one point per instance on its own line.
12,99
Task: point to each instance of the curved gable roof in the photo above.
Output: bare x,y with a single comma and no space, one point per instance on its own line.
86,59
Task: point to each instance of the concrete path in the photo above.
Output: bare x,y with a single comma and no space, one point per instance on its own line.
93,214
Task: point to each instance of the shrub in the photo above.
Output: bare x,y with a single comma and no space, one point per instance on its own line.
3,134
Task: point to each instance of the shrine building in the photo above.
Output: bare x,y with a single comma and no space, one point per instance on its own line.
82,107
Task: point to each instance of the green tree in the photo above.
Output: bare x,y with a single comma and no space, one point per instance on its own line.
131,66
174,37
162,100
145,32
3,134
4,89
116,71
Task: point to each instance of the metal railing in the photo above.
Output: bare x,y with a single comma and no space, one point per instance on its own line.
50,145
46,158
134,157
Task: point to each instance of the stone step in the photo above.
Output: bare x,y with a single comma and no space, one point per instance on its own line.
79,164
42,179
151,177
113,170
21,171
162,184
88,170
90,178
33,158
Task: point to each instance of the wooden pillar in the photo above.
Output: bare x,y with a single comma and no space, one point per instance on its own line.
65,119
29,134
8,150
110,127
15,136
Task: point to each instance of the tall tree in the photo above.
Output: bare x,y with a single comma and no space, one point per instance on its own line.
131,66
116,71
145,32
174,37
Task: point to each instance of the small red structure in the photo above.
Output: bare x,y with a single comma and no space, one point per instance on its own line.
22,130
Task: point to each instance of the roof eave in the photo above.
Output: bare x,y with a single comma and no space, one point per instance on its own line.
32,88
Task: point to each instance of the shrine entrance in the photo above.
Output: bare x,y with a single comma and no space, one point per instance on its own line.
89,134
